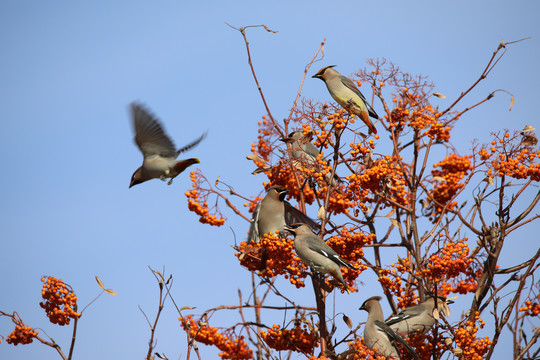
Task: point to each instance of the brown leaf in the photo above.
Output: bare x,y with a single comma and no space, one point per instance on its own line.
390,213
439,95
100,283
511,103
187,308
347,321
321,214
529,140
267,29
217,181
111,292
261,169
527,128
489,180
394,222
256,158
439,178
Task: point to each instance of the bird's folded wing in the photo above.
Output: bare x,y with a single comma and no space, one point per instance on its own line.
396,338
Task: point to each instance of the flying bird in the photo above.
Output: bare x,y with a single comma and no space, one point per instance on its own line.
345,92
157,148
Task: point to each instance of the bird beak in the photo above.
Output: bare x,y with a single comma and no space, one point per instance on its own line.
289,229
449,301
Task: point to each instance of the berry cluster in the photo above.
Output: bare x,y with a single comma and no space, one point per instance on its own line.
21,335
234,348
60,301
298,339
197,201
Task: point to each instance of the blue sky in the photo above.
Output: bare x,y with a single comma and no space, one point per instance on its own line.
68,73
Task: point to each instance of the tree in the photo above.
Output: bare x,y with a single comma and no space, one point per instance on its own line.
441,217
407,190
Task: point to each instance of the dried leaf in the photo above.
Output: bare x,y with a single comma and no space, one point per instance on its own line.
347,321
100,283
527,128
390,213
267,29
261,169
457,351
511,103
439,178
161,356
321,214
529,140
439,95
111,292
187,308
489,180
217,181
436,314
394,222
448,341
256,158
445,310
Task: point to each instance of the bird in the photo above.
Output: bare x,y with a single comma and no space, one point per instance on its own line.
273,213
157,148
377,334
345,92
419,317
305,154
316,253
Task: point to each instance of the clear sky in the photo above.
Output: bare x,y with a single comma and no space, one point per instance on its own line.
68,73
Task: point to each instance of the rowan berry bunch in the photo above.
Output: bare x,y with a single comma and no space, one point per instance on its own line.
447,184
60,301
298,339
469,346
383,177
279,258
509,155
198,200
232,347
22,334
263,147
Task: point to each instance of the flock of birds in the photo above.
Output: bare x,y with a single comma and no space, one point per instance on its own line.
275,214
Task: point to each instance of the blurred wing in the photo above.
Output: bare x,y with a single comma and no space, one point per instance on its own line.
149,135
295,216
381,326
350,84
191,144
253,235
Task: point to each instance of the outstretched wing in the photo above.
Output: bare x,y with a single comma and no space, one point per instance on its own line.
253,235
149,134
191,144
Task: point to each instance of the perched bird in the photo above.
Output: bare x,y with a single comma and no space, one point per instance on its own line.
378,334
305,154
316,254
419,317
273,212
347,95
158,149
